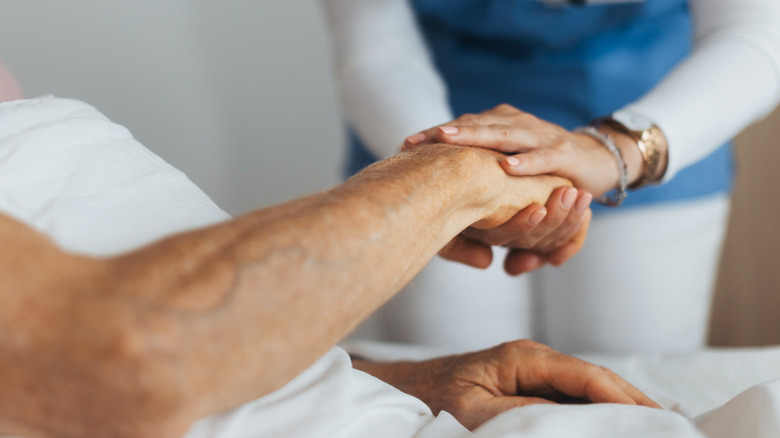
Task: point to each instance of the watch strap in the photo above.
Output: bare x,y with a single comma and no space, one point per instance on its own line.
652,146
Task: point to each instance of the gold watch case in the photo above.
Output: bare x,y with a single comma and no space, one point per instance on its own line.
650,140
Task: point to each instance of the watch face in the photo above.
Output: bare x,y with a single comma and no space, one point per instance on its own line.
633,121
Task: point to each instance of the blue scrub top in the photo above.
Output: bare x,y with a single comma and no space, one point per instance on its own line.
567,65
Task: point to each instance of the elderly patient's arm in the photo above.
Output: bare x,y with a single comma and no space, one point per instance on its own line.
145,343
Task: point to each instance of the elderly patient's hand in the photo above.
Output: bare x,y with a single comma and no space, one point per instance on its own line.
475,387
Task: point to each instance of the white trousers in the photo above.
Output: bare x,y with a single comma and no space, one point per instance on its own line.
643,282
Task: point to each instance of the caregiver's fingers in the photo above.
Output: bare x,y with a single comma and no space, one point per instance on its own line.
533,224
566,251
467,251
413,141
562,235
498,136
520,226
429,135
559,206
536,162
419,139
520,261
569,227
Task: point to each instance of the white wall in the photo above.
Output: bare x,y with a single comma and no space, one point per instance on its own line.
237,94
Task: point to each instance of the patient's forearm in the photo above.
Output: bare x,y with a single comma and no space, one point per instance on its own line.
289,282
203,321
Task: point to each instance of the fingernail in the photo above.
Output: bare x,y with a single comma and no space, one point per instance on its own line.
448,129
583,202
537,217
512,161
567,200
416,138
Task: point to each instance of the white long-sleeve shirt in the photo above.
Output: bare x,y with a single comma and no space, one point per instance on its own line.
389,87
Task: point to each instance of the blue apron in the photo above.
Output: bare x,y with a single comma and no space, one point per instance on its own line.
566,65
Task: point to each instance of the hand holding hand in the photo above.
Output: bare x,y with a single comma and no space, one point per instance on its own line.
537,235
536,146
475,387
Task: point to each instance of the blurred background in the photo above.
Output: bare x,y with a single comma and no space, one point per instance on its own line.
239,95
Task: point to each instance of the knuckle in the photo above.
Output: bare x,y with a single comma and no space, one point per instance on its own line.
502,131
469,130
526,118
545,156
522,344
536,159
594,371
467,117
608,372
562,144
527,343
505,108
506,348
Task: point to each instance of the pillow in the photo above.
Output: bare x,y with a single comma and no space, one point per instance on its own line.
72,174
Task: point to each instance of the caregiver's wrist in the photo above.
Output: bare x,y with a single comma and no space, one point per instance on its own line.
602,166
629,150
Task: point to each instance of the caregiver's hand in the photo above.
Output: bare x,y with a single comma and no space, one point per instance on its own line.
538,147
536,236
475,387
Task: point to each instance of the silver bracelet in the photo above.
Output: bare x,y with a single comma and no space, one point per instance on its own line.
619,194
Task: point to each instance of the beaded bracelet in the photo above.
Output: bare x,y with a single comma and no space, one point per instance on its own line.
619,194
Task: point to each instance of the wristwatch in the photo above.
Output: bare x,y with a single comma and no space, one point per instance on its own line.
650,140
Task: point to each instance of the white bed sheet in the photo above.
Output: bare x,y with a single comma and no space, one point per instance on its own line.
714,393
66,170
724,392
